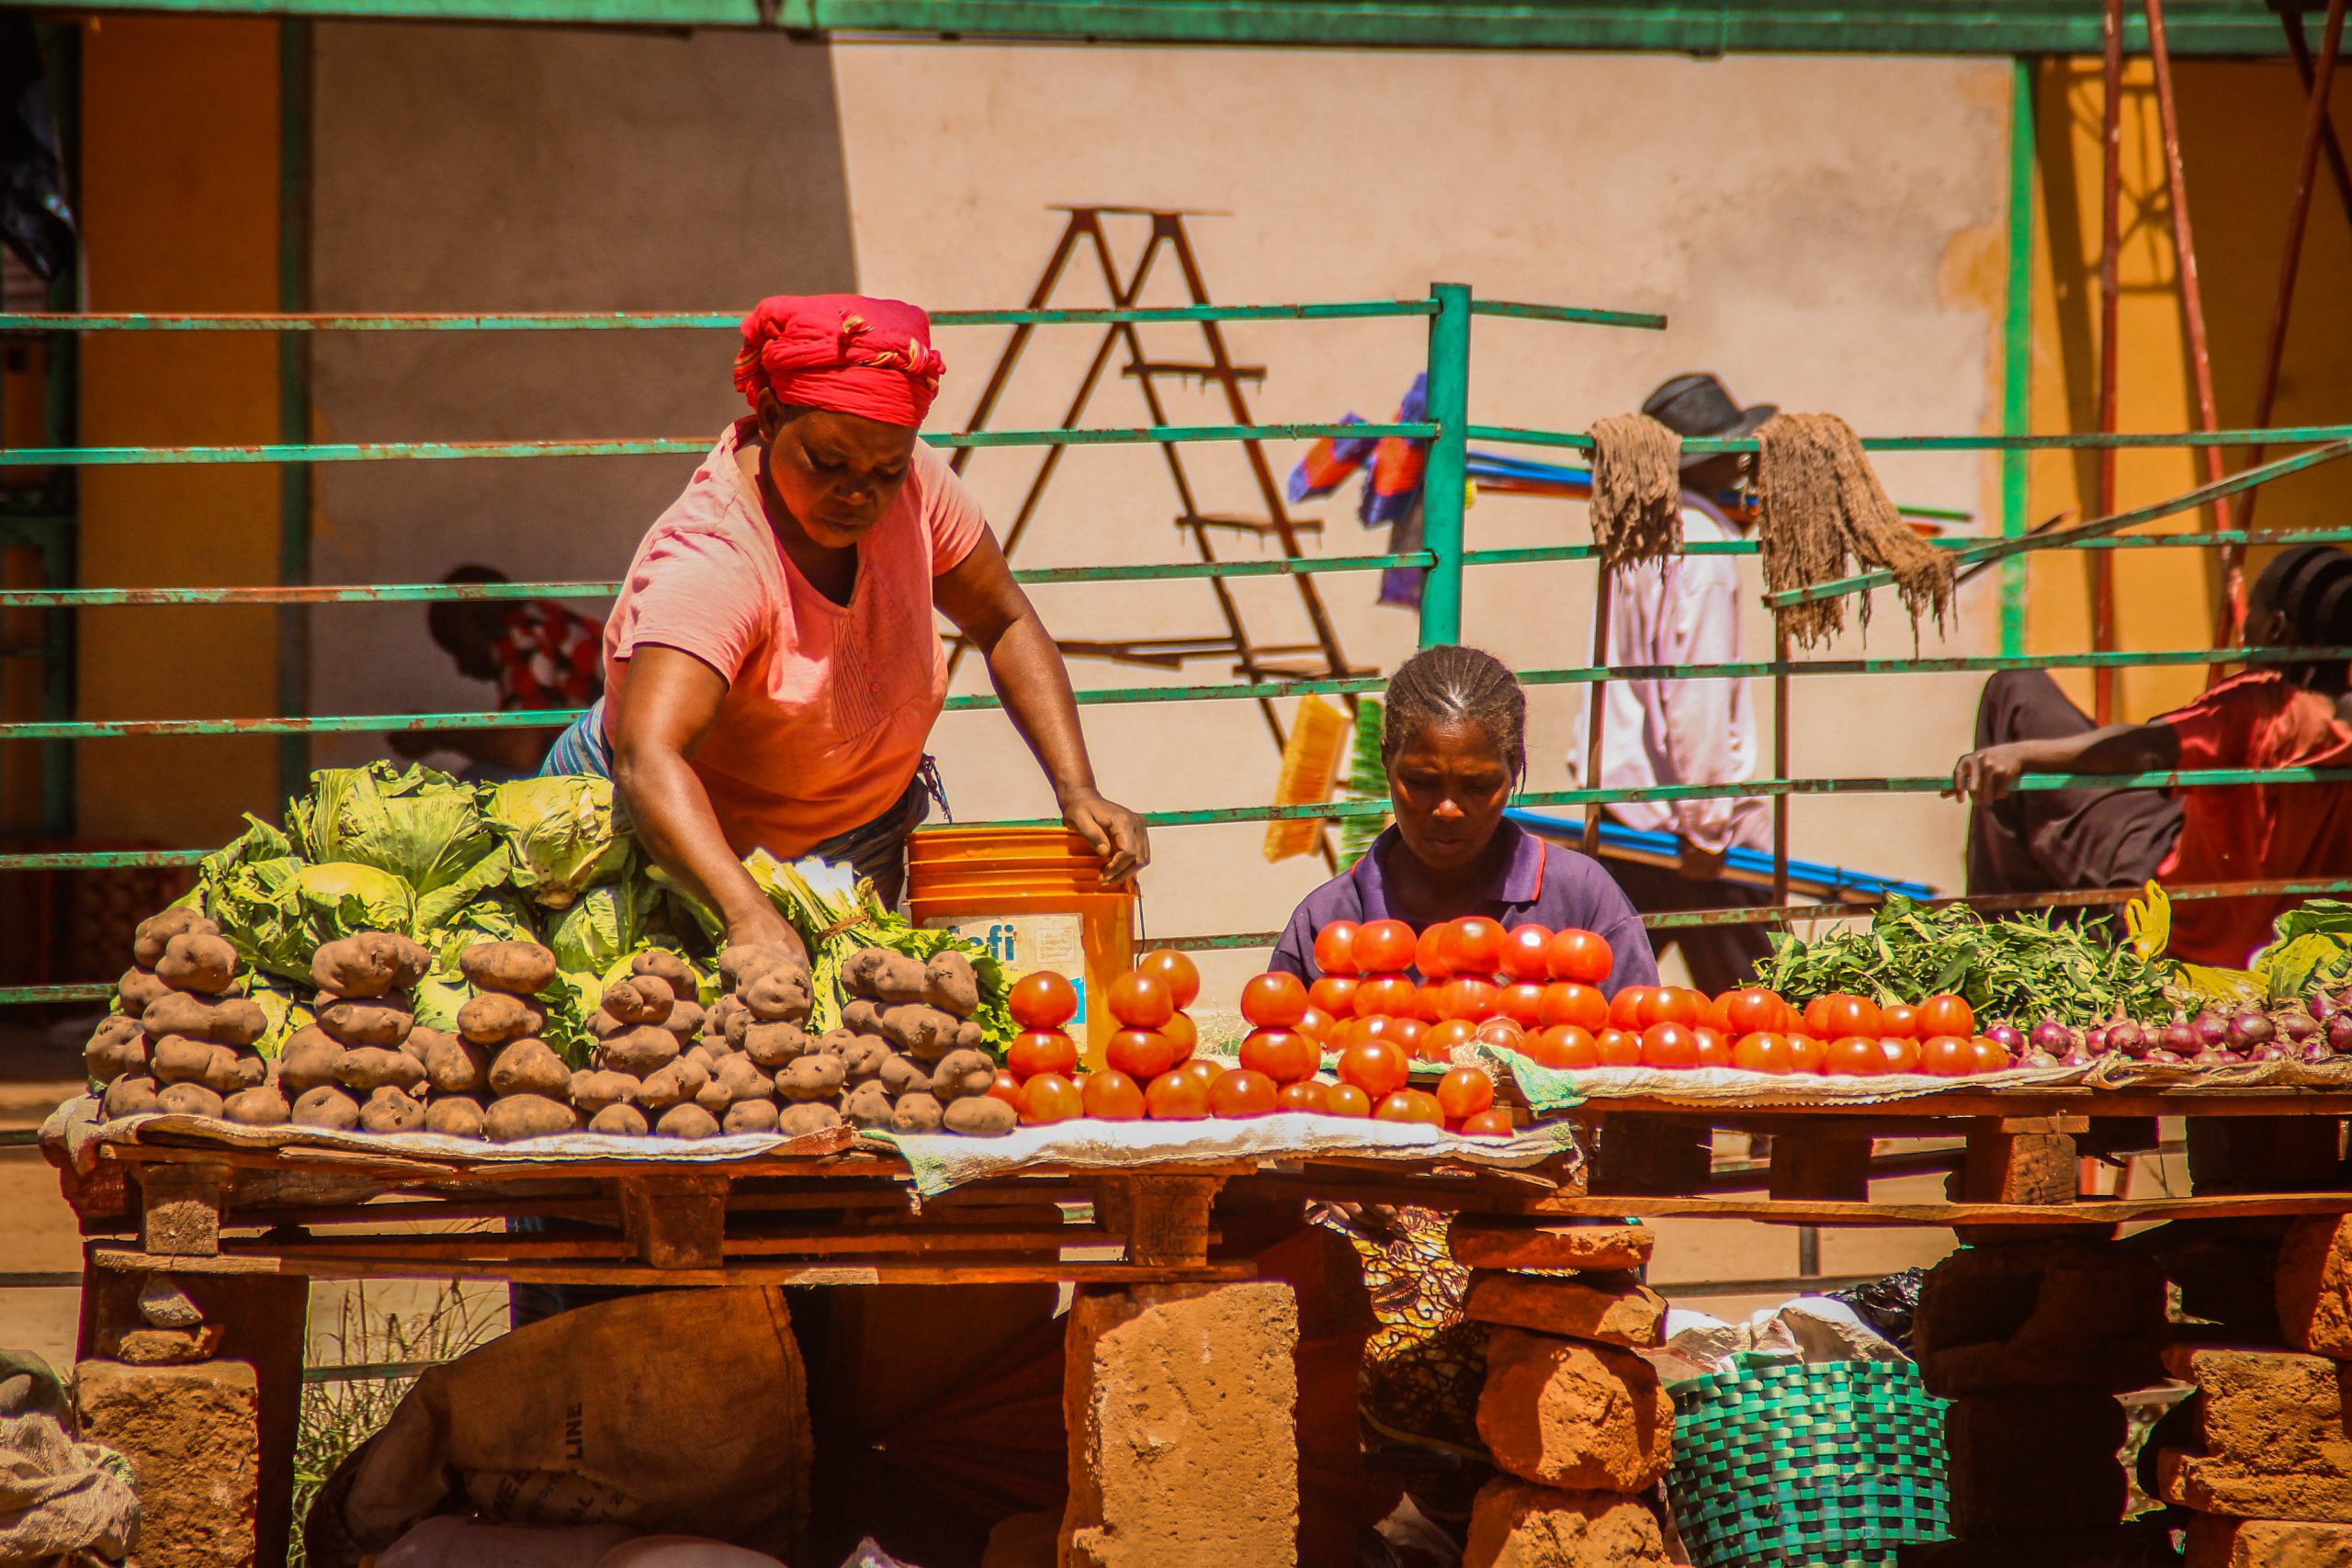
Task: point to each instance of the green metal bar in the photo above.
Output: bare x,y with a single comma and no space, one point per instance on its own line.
2284,435
310,724
2003,548
1444,496
98,860
295,493
699,321
23,995
1515,311
2017,349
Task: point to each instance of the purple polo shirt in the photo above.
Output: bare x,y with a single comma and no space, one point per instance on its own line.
1548,884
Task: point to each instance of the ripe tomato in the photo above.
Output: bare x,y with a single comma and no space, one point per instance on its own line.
1992,1056
1282,1055
1761,1051
1242,1093
1311,1095
1335,948
1316,1024
1625,1006
1493,1124
1523,1002
1111,1096
1141,1001
1465,1091
1897,1021
1345,1100
1382,947
1036,1051
1501,1033
1426,956
1946,1014
1334,993
1566,1002
1272,1001
1376,1066
1671,1004
1816,1016
1391,993
1468,996
1618,1048
1579,955
1842,1015
1410,1105
1948,1056
1561,1045
1902,1054
1715,1047
1181,1034
1042,999
1527,952
1379,1026
1141,1053
1175,1097
1049,1097
1439,1041
1812,1056
1471,945
1669,1044
1202,1070
1006,1088
1752,1009
1425,1004
1710,1011
1408,1033
1854,1056
1173,970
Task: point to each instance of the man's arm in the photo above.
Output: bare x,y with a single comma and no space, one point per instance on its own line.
1992,772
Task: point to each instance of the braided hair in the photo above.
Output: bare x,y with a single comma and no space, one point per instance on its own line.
2310,586
1453,684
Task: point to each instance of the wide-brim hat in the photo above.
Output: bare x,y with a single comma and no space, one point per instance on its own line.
1699,404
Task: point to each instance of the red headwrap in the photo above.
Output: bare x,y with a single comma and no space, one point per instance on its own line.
843,351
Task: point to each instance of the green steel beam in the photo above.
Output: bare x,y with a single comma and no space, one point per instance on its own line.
1512,310
1444,497
2285,435
2017,350
291,321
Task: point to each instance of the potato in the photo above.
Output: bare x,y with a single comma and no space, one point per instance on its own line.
714,1021
669,969
774,1044
520,1116
661,1090
921,1030
904,1075
194,961
647,1048
621,1121
375,1020
810,1078
970,1036
745,961
862,1062
603,1025
177,1058
264,1105
950,984
529,1066
157,932
862,1016
309,1060
370,965
117,1047
685,1021
642,999
917,1112
981,1116
137,988
810,1116
132,1094
179,1012
692,1072
516,968
592,1092
454,1115
390,1110
713,1096
453,1065
238,1020
867,1105
326,1106
858,970
366,1068
779,994
961,1074
832,1042
496,1016
743,1079
233,1071
898,978
702,1056
749,1116
687,1119
188,1100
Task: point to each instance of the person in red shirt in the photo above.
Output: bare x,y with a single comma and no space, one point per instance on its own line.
2272,716
536,653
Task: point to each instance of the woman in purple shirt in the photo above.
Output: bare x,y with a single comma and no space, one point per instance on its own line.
1453,741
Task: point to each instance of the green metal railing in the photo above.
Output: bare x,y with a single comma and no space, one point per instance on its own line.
1444,558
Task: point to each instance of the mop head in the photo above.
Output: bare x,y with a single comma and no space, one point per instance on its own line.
1636,489
1822,508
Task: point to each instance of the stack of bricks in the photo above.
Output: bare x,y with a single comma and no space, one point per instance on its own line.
2031,1340
2263,1452
1574,1418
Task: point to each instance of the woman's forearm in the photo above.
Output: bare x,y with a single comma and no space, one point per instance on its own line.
1027,671
674,822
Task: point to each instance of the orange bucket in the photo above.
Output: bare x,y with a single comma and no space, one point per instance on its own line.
1034,899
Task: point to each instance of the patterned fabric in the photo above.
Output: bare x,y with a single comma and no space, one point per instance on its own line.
550,657
1392,495
843,352
1425,1365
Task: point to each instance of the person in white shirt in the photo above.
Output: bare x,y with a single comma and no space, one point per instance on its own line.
1686,611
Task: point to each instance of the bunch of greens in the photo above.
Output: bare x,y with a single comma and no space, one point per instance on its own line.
2023,967
2310,949
836,913
559,834
422,826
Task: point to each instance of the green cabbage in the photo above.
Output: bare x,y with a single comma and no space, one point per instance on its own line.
258,906
343,898
421,825
437,998
501,915
490,874
2310,949
288,1008
558,829
604,928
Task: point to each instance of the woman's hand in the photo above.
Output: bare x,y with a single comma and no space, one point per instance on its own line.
766,928
1116,833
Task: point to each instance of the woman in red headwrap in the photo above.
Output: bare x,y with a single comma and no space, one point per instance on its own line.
771,670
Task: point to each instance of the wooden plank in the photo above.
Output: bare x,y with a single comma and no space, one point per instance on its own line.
180,1211
2087,1212
490,1245
2165,1101
2016,1161
1162,1219
675,1221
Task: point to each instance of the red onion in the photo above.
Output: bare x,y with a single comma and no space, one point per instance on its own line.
2006,1037
2162,1058
2216,1057
2127,1037
2271,1051
2321,1005
2052,1036
2211,1028
2249,1029
2339,1031
2035,1057
2294,1025
2093,1040
2180,1038
2315,1052
2078,1057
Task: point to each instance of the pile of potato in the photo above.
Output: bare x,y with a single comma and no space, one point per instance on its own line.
181,1042
912,1051
651,1073
362,1063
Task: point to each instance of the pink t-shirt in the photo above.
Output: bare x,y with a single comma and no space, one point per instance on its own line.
827,705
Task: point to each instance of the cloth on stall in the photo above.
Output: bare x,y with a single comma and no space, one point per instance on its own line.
1636,489
1822,508
1392,492
57,1496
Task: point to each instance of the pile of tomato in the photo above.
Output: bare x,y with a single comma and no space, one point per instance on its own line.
1754,1029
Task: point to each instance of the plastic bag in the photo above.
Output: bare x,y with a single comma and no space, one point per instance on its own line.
1888,1305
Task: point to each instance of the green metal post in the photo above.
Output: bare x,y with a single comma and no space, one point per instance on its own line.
295,481
2017,349
1442,489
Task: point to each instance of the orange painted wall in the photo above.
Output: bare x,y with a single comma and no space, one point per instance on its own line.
2241,127
179,209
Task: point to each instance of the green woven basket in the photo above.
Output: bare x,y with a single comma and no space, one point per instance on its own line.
1779,1465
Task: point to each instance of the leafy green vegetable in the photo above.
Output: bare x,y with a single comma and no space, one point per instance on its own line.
438,997
836,913
258,906
558,831
419,824
500,915
2310,949
604,928
288,1008
345,898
